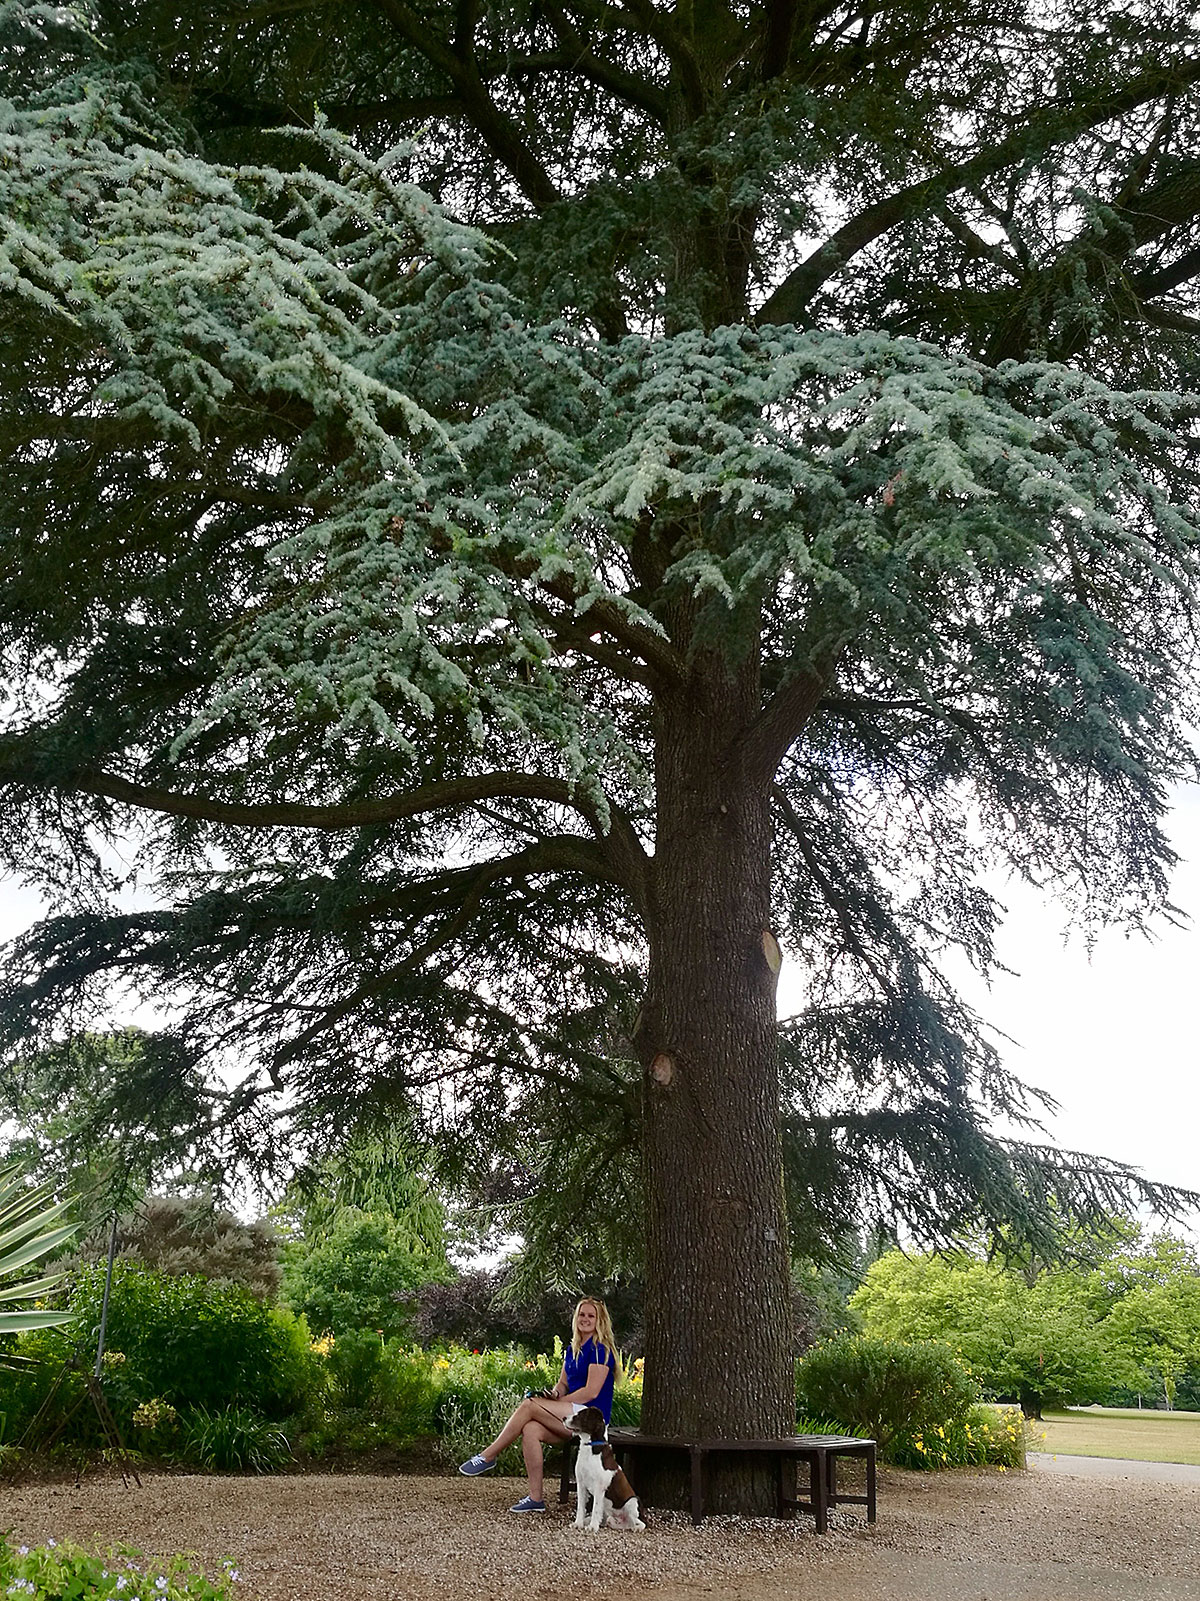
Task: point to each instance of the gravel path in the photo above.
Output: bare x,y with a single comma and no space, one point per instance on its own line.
1113,1467
966,1536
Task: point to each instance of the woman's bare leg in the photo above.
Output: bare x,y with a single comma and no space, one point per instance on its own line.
549,1414
533,1437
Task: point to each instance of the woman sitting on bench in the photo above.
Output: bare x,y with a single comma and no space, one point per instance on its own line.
591,1367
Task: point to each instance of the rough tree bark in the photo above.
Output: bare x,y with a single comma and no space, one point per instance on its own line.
718,1357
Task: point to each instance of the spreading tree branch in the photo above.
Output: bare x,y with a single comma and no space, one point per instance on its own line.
829,892
772,734
1058,123
625,861
562,854
497,131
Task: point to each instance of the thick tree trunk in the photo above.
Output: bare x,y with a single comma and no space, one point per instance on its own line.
718,1348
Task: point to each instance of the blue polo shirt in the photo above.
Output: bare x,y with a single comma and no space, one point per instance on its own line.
577,1372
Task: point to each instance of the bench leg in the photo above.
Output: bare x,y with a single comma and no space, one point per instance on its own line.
697,1484
819,1493
785,1494
871,1485
564,1481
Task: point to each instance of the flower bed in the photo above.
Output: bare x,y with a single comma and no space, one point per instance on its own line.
54,1572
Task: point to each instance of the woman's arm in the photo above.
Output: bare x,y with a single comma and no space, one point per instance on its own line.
597,1375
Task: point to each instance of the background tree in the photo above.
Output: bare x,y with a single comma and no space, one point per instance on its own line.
1106,1331
1149,1297
177,1234
364,1232
501,614
362,1274
111,1116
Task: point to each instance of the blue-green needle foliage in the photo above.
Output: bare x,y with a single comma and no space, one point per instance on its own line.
415,416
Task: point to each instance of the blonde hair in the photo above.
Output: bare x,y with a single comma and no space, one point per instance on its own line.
604,1337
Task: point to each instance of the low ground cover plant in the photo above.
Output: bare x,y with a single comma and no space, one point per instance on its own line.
987,1435
235,1439
54,1572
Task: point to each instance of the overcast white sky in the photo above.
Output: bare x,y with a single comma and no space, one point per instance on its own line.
1112,1036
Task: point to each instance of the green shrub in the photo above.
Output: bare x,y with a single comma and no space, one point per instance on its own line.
236,1439
23,1390
394,1395
988,1435
406,1390
365,1270
818,1426
627,1396
355,1365
155,1424
885,1389
627,1406
195,1342
117,1574
470,1379
379,1395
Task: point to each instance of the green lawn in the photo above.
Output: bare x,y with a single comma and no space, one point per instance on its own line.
1111,1431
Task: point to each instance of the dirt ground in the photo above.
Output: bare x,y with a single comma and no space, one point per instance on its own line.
968,1536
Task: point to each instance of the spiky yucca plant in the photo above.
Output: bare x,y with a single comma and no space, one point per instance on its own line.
31,1227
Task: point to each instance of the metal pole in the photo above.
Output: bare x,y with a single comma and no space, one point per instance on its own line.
112,1251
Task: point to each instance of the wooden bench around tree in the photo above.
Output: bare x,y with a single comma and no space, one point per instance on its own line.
821,1452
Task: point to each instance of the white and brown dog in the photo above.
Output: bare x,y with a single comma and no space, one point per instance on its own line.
599,1478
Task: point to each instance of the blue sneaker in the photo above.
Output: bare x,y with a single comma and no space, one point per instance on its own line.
528,1504
477,1464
